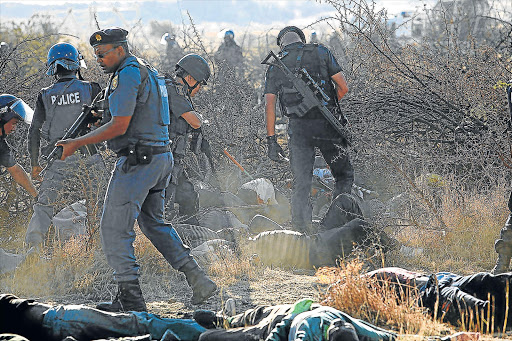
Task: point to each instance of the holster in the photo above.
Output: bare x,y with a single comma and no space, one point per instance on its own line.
141,154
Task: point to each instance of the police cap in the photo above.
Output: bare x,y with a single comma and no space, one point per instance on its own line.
109,35
290,29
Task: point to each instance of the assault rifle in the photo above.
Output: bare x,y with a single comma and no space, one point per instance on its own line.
80,126
180,142
310,98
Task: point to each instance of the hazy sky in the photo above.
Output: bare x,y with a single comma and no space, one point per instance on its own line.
211,16
229,11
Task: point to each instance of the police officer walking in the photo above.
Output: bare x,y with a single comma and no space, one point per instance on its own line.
192,71
173,51
57,107
229,55
12,110
311,130
136,129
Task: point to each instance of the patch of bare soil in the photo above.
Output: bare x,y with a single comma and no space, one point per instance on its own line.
270,287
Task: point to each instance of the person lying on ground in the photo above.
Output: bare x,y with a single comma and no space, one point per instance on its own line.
460,298
303,320
38,321
342,228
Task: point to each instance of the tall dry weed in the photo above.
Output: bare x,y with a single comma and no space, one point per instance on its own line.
229,266
466,244
364,298
67,268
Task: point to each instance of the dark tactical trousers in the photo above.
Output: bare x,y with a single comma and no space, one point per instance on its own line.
253,324
482,285
464,294
304,136
188,199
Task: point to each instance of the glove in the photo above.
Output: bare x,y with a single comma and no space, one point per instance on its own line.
205,147
275,152
196,140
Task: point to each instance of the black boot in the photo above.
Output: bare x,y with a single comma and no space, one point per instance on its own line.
128,298
503,249
202,286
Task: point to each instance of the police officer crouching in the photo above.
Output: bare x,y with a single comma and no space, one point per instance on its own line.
311,130
57,107
13,110
136,129
192,72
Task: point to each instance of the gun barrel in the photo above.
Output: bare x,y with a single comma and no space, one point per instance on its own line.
315,84
310,97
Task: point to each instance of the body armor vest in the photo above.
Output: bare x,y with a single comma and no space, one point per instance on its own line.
305,56
151,115
63,103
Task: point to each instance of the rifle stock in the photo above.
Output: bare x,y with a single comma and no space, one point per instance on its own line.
310,99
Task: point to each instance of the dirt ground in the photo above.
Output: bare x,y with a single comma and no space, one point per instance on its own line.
170,297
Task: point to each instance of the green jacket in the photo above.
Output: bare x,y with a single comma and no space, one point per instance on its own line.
312,325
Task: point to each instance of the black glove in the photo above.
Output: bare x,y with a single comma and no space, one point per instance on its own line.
275,152
205,147
196,140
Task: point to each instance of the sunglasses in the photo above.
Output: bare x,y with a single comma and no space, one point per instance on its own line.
103,54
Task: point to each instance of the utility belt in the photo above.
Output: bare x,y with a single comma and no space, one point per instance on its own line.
142,154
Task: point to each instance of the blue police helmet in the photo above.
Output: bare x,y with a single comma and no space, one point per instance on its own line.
65,55
229,33
14,107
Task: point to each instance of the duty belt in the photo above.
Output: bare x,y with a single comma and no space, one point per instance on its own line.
154,149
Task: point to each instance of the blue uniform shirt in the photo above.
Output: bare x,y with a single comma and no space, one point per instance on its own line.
134,93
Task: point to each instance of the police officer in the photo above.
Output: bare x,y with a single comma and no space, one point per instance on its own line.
173,50
229,54
4,49
57,107
12,110
136,129
314,38
311,130
192,71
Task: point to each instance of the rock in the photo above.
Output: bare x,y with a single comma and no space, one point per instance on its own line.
71,221
258,191
260,223
207,251
209,198
9,261
218,219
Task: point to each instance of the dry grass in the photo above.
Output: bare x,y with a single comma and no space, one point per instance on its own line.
364,298
74,269
65,268
466,245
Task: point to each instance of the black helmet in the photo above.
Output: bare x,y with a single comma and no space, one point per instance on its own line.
65,55
196,66
13,107
290,29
